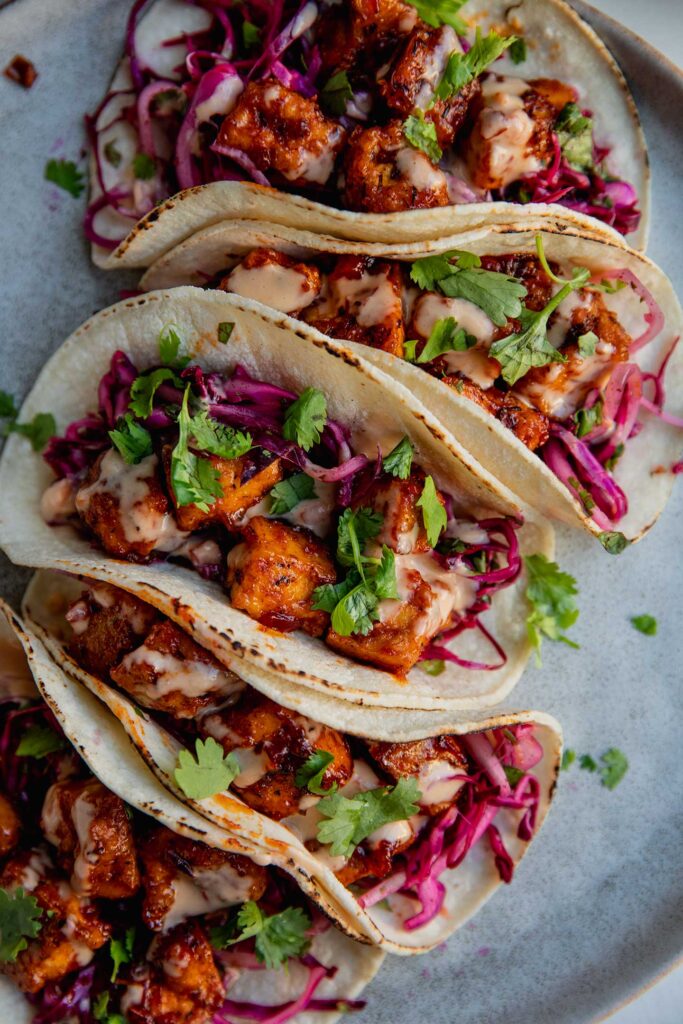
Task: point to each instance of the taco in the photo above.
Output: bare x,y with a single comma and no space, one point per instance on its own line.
564,403
335,533
409,825
384,120
117,902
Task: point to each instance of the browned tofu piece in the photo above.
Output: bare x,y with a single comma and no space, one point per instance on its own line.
275,279
527,269
106,624
529,425
362,32
281,741
433,762
384,173
178,983
557,94
414,74
402,523
363,303
10,827
182,878
126,508
92,832
172,673
241,487
72,927
283,132
272,575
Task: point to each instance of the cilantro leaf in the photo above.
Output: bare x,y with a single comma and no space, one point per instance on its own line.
445,336
587,419
131,440
646,624
428,271
513,774
441,12
587,343
355,528
194,479
169,348
350,820
210,773
112,154
7,406
518,51
101,1013
399,460
225,329
305,418
421,135
39,431
276,937
587,764
144,388
384,578
568,758
121,951
356,612
432,666
611,462
575,135
251,35
19,920
614,767
64,174
433,513
613,541
584,496
550,593
335,94
327,597
144,167
498,295
310,774
218,438
462,68
38,741
287,494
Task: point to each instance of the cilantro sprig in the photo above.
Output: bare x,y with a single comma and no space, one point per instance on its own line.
305,419
350,820
65,175
399,460
310,775
433,512
207,772
441,12
38,431
121,951
551,593
611,767
353,602
335,94
421,134
445,336
38,741
587,419
288,493
459,275
277,937
20,920
463,68
132,441
646,624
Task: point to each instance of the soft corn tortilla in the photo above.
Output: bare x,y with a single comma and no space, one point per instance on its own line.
559,45
372,405
106,749
468,886
638,472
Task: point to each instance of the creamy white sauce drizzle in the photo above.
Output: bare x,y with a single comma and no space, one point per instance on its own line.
82,815
206,891
505,124
221,101
418,170
282,288
436,783
451,592
432,73
474,362
57,503
183,675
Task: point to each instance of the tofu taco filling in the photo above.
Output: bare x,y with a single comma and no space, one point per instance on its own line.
107,915
388,819
259,489
539,346
372,107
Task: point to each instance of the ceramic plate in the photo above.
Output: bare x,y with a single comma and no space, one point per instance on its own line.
597,908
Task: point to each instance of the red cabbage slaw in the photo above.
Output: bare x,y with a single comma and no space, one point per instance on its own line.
452,834
175,117
585,464
245,403
25,780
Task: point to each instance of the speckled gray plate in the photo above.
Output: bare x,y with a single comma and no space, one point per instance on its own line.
597,908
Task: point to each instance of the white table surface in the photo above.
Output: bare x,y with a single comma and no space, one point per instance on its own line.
660,22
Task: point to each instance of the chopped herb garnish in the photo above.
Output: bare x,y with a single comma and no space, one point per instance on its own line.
66,175
7,406
305,418
276,937
611,462
582,494
218,438
587,419
445,336
350,820
568,758
225,329
210,773
131,440
463,68
101,1013
550,593
121,951
587,343
433,512
459,275
39,431
19,921
310,774
38,741
335,94
251,35
614,767
409,349
646,624
441,12
112,154
169,348
432,666
518,51
422,135
587,764
399,460
613,541
144,167
144,388
575,135
513,774
287,494
194,479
